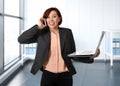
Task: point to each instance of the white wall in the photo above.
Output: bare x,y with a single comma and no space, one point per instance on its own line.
86,18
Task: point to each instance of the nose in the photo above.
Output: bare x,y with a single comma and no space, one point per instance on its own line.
51,18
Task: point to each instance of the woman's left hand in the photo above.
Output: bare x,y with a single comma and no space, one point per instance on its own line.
98,53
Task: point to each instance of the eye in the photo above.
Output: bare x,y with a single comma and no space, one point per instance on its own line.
48,17
54,16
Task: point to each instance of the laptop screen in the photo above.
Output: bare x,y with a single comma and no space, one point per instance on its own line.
102,35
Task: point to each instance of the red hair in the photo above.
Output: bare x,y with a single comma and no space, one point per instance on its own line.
47,12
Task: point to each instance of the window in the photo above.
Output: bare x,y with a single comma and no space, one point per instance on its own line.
11,18
11,46
11,7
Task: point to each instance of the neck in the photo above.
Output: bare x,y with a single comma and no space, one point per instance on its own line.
54,30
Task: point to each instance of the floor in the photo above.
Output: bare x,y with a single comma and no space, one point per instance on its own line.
95,74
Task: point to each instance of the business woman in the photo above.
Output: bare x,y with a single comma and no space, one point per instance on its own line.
54,43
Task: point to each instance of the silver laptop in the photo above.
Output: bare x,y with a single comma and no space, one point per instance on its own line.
88,53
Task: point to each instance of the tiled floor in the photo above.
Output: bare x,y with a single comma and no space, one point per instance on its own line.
96,74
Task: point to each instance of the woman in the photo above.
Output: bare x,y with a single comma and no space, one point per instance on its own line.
54,43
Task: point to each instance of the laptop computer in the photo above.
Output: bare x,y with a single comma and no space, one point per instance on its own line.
88,53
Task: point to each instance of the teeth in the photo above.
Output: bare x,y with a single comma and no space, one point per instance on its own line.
51,23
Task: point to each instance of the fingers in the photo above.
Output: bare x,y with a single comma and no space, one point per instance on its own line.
92,57
42,23
98,53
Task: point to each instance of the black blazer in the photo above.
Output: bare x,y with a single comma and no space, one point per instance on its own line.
42,37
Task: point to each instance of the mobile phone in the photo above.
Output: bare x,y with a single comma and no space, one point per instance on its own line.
44,22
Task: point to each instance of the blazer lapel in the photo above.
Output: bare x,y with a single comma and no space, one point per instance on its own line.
62,38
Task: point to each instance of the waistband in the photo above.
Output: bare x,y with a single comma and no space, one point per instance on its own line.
61,73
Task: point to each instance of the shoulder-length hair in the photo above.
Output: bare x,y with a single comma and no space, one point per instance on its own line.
47,12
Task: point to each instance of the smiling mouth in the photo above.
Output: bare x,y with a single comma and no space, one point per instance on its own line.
51,23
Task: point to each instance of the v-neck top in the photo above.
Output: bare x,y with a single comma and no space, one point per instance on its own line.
55,62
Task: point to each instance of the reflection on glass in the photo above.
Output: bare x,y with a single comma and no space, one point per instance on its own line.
11,7
11,45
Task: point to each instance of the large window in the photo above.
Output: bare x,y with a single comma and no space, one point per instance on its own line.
11,7
11,14
11,46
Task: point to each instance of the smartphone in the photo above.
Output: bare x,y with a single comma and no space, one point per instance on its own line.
44,22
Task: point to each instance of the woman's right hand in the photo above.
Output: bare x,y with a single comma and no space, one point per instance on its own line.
42,23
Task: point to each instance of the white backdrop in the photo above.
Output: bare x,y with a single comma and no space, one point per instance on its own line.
86,18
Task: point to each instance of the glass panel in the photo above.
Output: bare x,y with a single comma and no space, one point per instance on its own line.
11,7
30,49
11,45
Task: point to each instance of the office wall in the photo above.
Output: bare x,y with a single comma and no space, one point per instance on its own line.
86,18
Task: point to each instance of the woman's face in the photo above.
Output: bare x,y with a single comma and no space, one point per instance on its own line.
53,20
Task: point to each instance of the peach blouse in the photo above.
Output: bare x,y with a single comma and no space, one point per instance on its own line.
55,62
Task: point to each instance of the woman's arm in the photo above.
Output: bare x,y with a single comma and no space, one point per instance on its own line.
84,60
29,36
87,59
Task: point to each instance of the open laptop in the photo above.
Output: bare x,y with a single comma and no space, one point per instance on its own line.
88,53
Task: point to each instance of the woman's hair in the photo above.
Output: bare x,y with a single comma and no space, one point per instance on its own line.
47,12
